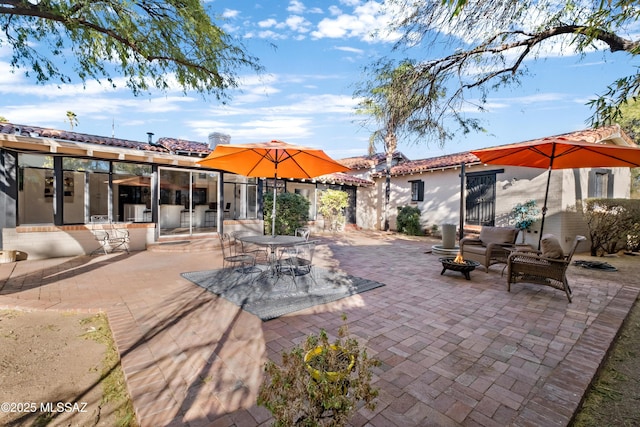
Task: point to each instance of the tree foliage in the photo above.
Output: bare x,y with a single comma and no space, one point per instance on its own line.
397,107
332,204
292,211
491,41
72,119
408,221
614,224
630,121
151,43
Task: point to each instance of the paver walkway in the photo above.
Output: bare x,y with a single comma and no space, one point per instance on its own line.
454,352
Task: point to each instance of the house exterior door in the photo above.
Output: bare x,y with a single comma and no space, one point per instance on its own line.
481,199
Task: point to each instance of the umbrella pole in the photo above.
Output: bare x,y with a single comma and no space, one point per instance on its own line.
546,194
544,209
273,210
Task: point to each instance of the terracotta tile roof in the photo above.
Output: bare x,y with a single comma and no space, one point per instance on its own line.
35,131
447,161
597,135
344,178
183,146
452,160
164,145
368,162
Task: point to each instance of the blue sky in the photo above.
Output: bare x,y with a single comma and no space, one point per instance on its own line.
305,95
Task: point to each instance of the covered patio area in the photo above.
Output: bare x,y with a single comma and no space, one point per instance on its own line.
453,351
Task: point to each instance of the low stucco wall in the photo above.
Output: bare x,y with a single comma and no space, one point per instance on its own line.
41,242
48,241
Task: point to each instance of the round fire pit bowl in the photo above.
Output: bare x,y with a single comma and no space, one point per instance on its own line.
464,267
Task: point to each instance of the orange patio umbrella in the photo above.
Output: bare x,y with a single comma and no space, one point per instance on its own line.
272,159
559,153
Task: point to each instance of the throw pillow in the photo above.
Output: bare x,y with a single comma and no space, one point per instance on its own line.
551,247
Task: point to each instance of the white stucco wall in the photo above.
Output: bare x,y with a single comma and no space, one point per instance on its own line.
441,202
366,208
567,189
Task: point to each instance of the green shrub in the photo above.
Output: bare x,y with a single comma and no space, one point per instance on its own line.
292,211
614,224
332,204
409,221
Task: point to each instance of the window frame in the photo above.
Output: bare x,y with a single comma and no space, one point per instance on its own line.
417,190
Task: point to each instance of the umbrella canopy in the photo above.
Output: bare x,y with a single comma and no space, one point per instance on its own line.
272,159
559,153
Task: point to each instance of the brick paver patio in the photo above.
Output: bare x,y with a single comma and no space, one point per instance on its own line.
454,352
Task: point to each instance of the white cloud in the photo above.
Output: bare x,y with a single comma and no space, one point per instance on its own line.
369,22
272,35
296,6
298,24
230,13
264,129
351,3
267,23
494,104
335,10
349,49
316,104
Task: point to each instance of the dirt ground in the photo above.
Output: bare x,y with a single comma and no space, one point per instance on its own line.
51,367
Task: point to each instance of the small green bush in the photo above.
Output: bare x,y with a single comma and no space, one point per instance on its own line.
332,204
292,211
409,221
614,224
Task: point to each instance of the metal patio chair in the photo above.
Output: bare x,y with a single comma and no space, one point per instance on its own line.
233,257
110,237
297,261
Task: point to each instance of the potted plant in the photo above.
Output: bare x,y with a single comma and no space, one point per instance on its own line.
319,382
524,215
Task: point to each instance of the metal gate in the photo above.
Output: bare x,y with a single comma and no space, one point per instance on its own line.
481,199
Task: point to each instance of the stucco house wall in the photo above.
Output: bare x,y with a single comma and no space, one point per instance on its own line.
366,211
567,189
441,202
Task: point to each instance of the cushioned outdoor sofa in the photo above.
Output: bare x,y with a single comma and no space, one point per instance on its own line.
490,246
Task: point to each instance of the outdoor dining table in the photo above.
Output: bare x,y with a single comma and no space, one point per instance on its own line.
272,243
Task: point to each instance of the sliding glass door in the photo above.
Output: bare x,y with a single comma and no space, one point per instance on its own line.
188,202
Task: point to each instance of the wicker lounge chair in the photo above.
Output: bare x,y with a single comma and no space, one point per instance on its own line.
490,247
534,267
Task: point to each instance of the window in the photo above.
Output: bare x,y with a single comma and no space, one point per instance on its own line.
35,189
84,189
601,183
481,198
417,191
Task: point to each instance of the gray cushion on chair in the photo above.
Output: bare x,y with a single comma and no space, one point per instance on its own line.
490,234
551,247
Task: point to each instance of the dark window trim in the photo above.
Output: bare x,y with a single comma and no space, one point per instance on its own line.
417,196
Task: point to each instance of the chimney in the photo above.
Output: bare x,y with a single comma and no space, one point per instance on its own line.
217,138
150,138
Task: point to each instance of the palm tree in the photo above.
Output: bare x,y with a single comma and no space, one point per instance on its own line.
397,108
72,119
